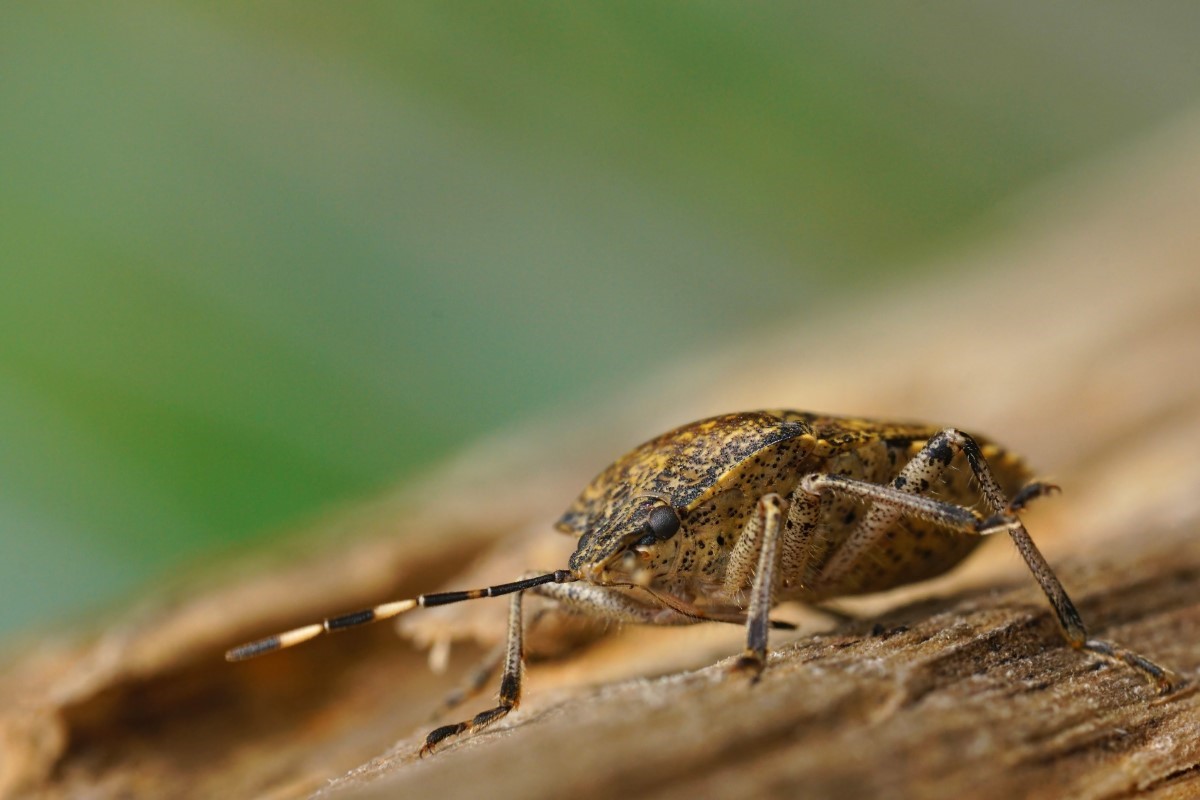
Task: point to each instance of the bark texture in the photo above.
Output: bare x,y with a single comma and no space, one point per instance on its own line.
1075,340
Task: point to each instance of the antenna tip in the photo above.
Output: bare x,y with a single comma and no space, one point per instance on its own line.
253,649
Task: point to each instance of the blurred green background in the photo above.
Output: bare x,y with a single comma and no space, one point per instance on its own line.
256,259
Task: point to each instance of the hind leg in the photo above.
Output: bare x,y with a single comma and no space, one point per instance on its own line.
901,498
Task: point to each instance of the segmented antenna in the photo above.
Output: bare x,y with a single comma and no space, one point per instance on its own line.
354,619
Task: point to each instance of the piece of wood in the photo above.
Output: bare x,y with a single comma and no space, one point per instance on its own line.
1074,342
971,696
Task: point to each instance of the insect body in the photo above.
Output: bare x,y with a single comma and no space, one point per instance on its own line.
726,517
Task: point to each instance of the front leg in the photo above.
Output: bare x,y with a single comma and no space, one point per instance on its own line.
510,685
578,598
610,604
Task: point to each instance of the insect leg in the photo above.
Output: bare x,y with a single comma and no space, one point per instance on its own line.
803,514
890,503
899,499
484,670
579,598
605,603
762,532
475,682
510,685
1069,621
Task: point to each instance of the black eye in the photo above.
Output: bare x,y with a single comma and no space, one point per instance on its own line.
663,523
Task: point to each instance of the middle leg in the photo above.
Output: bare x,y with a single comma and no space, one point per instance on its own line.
772,551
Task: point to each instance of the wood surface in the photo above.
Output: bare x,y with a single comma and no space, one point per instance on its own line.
1072,335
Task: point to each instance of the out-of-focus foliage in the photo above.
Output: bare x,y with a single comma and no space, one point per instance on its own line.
255,259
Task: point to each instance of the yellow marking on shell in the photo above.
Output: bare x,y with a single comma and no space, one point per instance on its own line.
821,448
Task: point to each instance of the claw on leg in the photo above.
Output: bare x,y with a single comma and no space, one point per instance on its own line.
750,664
1031,491
1166,680
478,723
438,735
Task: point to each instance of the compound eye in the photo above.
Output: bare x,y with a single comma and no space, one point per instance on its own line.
663,523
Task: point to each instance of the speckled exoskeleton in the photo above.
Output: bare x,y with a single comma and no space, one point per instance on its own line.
726,517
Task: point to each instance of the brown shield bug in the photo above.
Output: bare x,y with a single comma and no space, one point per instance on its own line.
726,517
